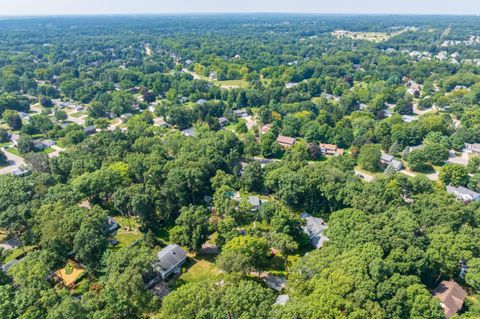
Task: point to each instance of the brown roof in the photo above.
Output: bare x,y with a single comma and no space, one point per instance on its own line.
285,140
265,128
332,147
451,297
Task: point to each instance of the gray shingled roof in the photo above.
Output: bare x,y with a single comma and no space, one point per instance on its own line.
315,228
169,256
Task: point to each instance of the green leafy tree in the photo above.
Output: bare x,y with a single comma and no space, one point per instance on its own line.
455,175
13,119
244,254
192,228
369,157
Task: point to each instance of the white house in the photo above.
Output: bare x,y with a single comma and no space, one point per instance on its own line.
169,260
315,228
462,193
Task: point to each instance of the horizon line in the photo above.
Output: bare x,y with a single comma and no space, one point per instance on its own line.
41,15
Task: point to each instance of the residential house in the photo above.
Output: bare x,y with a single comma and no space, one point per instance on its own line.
79,108
255,202
265,129
315,228
14,138
409,118
451,297
201,101
414,88
223,121
24,115
472,148
48,143
291,85
89,130
282,300
387,113
286,141
462,193
240,113
169,260
160,122
275,282
125,117
330,149
410,149
189,131
213,75
20,172
112,224
38,145
363,106
389,161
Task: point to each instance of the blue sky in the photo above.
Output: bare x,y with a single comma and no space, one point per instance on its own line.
56,7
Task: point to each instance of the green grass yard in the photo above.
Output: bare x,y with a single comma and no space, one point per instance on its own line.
77,114
13,151
18,252
198,269
48,150
232,83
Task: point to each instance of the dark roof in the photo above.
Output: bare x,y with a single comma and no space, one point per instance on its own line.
170,256
451,297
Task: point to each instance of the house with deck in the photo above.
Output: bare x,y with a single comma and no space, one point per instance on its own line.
330,149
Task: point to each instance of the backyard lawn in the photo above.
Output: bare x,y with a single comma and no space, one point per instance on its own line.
13,151
17,252
198,269
232,83
128,231
48,150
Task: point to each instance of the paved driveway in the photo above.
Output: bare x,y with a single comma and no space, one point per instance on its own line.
365,176
14,162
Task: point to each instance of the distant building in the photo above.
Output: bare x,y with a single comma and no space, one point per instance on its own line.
169,260
286,141
291,85
112,224
275,282
240,113
409,118
255,202
223,121
315,228
451,297
462,193
14,138
189,131
472,148
389,161
125,117
330,149
160,122
265,129
282,300
21,172
89,130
